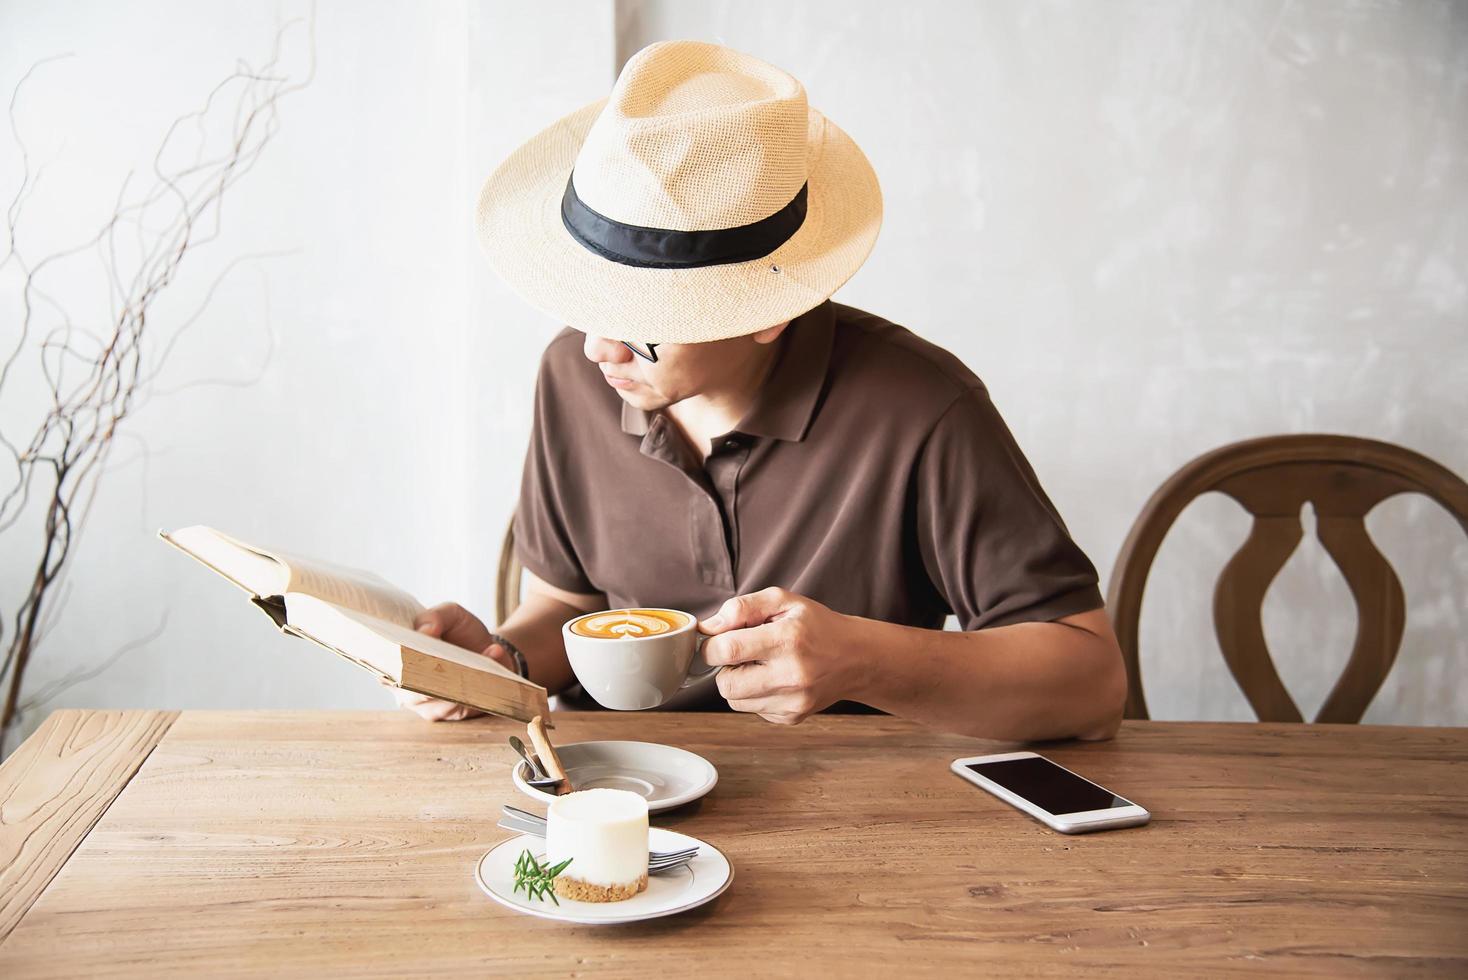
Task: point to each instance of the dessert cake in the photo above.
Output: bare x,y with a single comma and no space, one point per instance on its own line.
604,833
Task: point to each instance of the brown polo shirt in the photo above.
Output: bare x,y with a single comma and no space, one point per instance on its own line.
873,474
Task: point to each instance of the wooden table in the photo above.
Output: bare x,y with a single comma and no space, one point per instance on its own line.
222,843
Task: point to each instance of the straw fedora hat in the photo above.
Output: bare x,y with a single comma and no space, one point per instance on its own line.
702,199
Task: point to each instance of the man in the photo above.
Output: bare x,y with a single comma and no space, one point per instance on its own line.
819,486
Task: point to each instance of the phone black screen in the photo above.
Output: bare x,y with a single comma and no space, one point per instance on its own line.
1048,786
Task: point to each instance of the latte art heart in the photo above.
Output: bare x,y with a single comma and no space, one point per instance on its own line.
629,624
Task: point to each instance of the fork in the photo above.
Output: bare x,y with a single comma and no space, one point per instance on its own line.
526,822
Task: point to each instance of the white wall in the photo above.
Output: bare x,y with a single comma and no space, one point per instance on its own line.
388,423
1152,228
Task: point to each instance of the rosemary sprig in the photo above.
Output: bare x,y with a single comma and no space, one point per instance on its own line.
537,879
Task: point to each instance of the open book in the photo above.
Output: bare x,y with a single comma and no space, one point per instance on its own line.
363,618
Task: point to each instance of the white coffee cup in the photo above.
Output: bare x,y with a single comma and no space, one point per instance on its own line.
631,672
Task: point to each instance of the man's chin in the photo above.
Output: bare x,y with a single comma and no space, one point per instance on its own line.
639,399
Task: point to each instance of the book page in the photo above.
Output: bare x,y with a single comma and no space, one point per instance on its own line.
258,574
356,636
302,611
380,643
350,587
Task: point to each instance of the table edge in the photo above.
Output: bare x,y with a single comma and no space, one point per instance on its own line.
63,736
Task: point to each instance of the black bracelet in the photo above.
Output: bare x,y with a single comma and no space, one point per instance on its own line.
520,665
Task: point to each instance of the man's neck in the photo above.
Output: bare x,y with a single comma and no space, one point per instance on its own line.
703,417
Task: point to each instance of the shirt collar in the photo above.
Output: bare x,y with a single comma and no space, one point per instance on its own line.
786,402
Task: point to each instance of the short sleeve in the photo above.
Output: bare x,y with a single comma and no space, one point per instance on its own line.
992,542
549,497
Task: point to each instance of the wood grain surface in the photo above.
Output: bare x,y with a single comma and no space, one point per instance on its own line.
55,786
279,843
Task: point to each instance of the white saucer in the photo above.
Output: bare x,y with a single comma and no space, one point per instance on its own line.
703,880
666,776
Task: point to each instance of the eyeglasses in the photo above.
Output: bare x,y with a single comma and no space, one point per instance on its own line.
648,354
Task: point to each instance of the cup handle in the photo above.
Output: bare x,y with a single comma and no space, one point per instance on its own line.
707,671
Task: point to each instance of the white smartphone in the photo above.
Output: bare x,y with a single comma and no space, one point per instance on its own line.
1050,793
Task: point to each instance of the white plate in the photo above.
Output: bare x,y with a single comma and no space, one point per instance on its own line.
666,776
703,880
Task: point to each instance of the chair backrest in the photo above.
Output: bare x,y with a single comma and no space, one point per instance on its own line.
507,584
1343,478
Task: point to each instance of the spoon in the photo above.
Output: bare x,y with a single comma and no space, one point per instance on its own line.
519,747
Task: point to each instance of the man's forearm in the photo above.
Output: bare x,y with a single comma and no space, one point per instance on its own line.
535,627
1024,682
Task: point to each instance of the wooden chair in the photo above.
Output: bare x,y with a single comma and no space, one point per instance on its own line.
1272,478
507,582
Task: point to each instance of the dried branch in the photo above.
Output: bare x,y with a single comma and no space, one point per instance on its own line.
97,379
